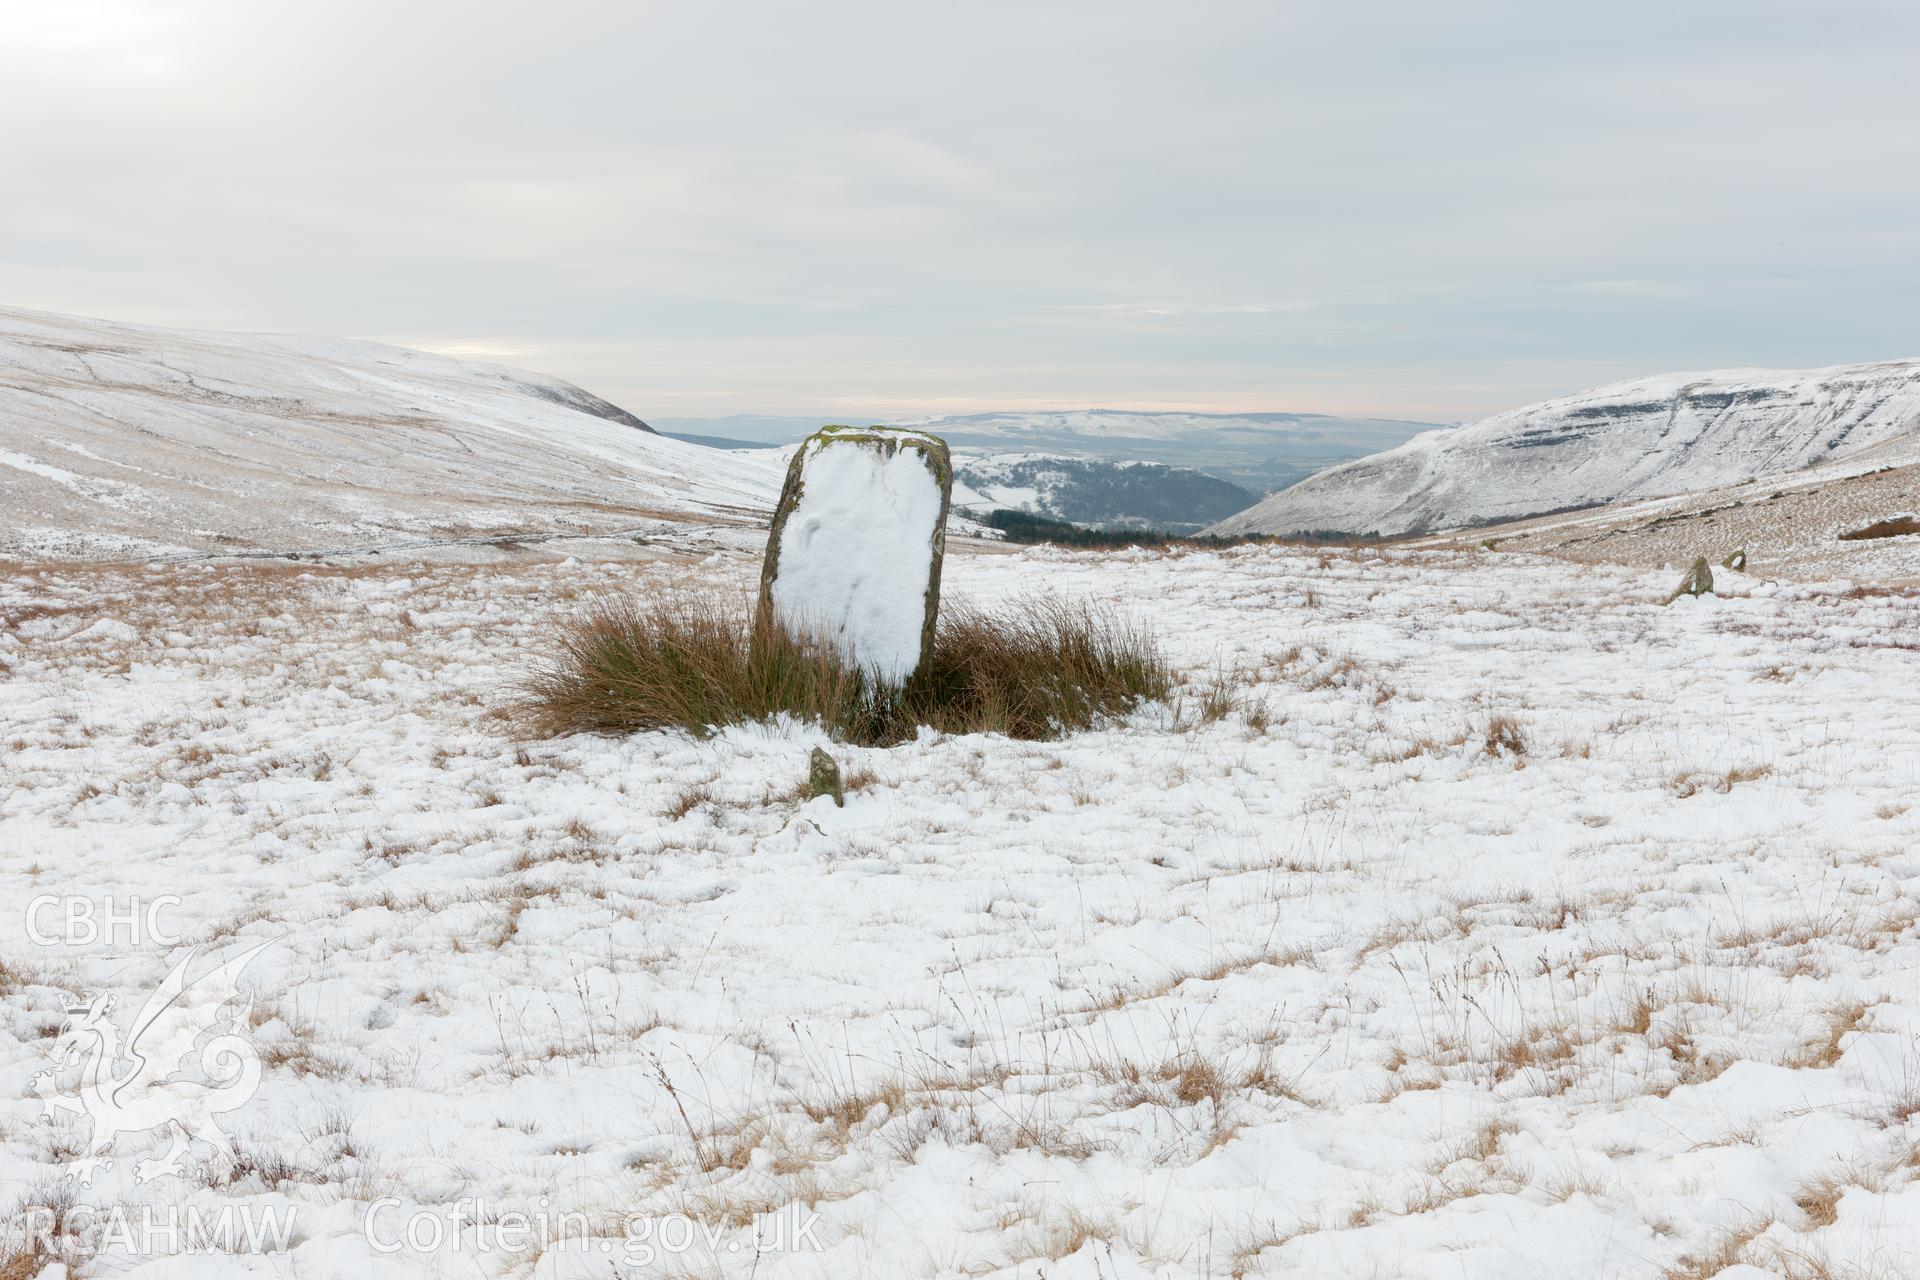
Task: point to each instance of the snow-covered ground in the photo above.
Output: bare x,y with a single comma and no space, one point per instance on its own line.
1514,925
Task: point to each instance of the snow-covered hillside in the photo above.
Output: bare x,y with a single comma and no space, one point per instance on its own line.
1095,490
120,439
1655,436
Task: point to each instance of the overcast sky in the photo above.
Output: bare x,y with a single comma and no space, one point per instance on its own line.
1422,210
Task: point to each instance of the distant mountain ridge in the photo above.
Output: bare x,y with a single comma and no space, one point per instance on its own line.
1257,451
1095,490
1138,424
1645,438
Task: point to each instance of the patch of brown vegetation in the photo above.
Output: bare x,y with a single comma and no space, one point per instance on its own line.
1032,670
1836,1025
1504,737
1897,527
1691,782
1726,1252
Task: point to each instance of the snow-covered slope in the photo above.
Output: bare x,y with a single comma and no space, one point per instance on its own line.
120,439
1095,490
1642,439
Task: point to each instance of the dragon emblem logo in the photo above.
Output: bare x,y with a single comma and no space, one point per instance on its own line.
143,1083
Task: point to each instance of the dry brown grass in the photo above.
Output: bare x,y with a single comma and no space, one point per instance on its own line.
1691,782
295,1050
1184,1078
40,1225
1819,1200
1504,736
1036,669
1636,1017
688,800
1894,528
1728,1251
15,977
1835,1026
1218,696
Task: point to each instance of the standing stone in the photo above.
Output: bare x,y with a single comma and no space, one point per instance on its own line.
1736,562
1698,582
823,778
853,560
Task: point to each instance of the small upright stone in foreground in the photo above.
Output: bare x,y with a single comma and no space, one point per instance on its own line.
823,778
1698,582
853,560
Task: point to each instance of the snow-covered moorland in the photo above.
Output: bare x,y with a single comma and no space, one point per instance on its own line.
1511,922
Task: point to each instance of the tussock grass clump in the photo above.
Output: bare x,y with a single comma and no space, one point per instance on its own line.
1504,736
1034,669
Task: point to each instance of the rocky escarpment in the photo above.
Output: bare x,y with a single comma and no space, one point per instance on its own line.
1648,438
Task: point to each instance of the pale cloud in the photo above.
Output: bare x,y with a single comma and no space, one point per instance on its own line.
883,207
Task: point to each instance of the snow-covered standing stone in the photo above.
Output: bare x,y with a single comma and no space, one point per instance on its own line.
854,556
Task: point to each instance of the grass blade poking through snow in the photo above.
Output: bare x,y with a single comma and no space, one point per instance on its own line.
1032,669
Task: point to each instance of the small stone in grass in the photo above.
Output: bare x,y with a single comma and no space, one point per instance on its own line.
1736,562
823,778
1698,582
